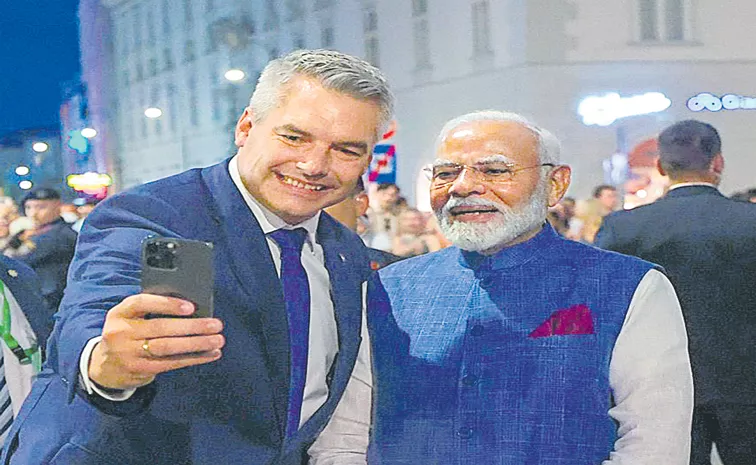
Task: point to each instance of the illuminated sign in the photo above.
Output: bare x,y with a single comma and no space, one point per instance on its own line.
89,181
707,101
78,142
603,110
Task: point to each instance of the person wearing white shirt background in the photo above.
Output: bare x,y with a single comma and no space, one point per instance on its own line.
261,380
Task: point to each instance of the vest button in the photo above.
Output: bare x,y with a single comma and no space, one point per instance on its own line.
465,432
469,380
477,330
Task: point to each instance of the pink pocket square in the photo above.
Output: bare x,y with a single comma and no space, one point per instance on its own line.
574,320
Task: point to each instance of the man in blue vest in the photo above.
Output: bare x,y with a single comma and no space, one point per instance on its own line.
516,346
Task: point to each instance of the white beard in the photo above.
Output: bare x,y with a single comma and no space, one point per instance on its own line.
509,224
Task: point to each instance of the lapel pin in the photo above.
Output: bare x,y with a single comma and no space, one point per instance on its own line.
13,273
341,256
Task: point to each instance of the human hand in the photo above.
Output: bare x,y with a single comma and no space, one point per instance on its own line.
133,350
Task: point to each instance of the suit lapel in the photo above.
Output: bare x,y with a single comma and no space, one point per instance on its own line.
253,264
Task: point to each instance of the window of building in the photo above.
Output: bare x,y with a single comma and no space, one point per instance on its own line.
326,36
481,28
370,21
422,44
189,53
419,7
139,71
193,110
370,28
152,67
150,28
295,10
271,16
166,18
209,6
137,23
664,20
167,58
155,102
188,13
323,4
170,94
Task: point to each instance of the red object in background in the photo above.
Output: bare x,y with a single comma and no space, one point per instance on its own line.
644,154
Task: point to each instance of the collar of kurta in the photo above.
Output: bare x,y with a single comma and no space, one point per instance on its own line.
513,256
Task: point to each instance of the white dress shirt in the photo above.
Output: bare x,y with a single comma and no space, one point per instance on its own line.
649,375
323,337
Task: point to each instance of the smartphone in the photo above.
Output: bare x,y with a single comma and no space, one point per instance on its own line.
179,268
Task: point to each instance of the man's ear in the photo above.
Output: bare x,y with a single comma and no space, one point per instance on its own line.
659,167
559,181
362,202
717,164
243,126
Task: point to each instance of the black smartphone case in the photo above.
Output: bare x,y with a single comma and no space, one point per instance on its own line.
189,275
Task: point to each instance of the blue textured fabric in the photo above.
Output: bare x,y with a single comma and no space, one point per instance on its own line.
296,291
458,380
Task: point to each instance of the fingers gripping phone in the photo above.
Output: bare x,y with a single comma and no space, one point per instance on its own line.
179,268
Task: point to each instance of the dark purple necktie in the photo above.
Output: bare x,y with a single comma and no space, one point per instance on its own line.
296,292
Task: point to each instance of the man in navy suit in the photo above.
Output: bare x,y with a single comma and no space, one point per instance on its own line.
707,244
114,390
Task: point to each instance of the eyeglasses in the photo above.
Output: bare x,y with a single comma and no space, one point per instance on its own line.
442,175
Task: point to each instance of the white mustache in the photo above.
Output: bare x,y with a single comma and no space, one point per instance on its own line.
455,202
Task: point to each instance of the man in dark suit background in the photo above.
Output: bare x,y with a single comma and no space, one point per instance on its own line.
50,245
707,244
288,296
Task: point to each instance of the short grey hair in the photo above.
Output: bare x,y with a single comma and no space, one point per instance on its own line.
549,148
334,70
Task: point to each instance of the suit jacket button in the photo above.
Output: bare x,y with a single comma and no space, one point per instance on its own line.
477,330
465,432
469,380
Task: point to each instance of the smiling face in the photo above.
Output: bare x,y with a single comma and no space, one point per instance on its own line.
479,215
309,152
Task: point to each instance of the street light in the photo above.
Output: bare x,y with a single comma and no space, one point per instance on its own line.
153,112
88,132
40,147
25,185
234,75
22,170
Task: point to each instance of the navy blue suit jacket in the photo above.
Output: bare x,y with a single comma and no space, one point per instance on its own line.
707,245
229,411
52,253
23,283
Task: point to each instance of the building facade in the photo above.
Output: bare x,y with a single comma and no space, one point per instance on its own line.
444,58
31,158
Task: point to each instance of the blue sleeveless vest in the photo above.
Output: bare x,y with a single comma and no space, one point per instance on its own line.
460,377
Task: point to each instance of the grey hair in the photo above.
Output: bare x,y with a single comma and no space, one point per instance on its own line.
335,71
549,148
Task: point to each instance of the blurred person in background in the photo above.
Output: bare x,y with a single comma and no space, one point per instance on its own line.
8,213
707,245
83,211
68,213
412,236
48,248
586,221
607,199
383,216
517,346
349,212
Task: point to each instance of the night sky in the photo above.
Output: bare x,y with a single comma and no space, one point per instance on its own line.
38,51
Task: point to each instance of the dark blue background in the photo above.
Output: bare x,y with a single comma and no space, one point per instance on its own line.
39,50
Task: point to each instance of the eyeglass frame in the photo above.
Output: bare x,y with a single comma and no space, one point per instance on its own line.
477,169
